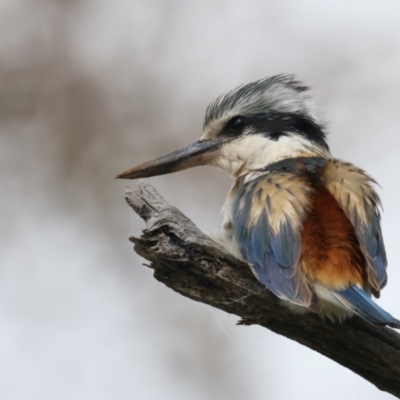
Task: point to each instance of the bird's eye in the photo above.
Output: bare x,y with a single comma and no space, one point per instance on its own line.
237,124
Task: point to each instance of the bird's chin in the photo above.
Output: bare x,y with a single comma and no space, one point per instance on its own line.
232,167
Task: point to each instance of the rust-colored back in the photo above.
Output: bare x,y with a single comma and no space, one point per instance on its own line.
331,253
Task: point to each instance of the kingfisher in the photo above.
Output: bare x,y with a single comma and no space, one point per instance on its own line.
306,223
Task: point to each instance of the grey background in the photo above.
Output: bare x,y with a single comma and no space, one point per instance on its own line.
90,88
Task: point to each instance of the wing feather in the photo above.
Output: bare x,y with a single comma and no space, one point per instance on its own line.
352,188
268,214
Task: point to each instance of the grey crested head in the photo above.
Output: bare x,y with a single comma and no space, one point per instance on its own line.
274,105
275,94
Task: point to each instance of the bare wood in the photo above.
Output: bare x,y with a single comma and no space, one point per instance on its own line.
192,264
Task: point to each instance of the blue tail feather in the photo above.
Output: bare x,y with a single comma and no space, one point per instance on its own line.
359,301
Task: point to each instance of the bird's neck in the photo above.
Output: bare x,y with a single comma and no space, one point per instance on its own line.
253,152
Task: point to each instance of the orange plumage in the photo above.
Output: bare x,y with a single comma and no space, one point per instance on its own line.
331,253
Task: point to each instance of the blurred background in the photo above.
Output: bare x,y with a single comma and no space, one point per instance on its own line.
90,88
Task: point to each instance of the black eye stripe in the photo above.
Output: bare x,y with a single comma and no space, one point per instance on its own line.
275,125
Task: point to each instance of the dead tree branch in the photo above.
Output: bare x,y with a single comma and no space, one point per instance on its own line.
192,264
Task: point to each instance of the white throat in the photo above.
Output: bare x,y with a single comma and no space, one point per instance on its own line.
252,152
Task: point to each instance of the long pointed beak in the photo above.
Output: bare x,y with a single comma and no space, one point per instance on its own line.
191,155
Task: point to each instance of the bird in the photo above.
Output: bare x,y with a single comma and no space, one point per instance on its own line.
307,224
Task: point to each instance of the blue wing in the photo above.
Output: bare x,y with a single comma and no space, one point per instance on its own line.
370,237
268,213
352,189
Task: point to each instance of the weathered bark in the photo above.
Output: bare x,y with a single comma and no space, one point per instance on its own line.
192,264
